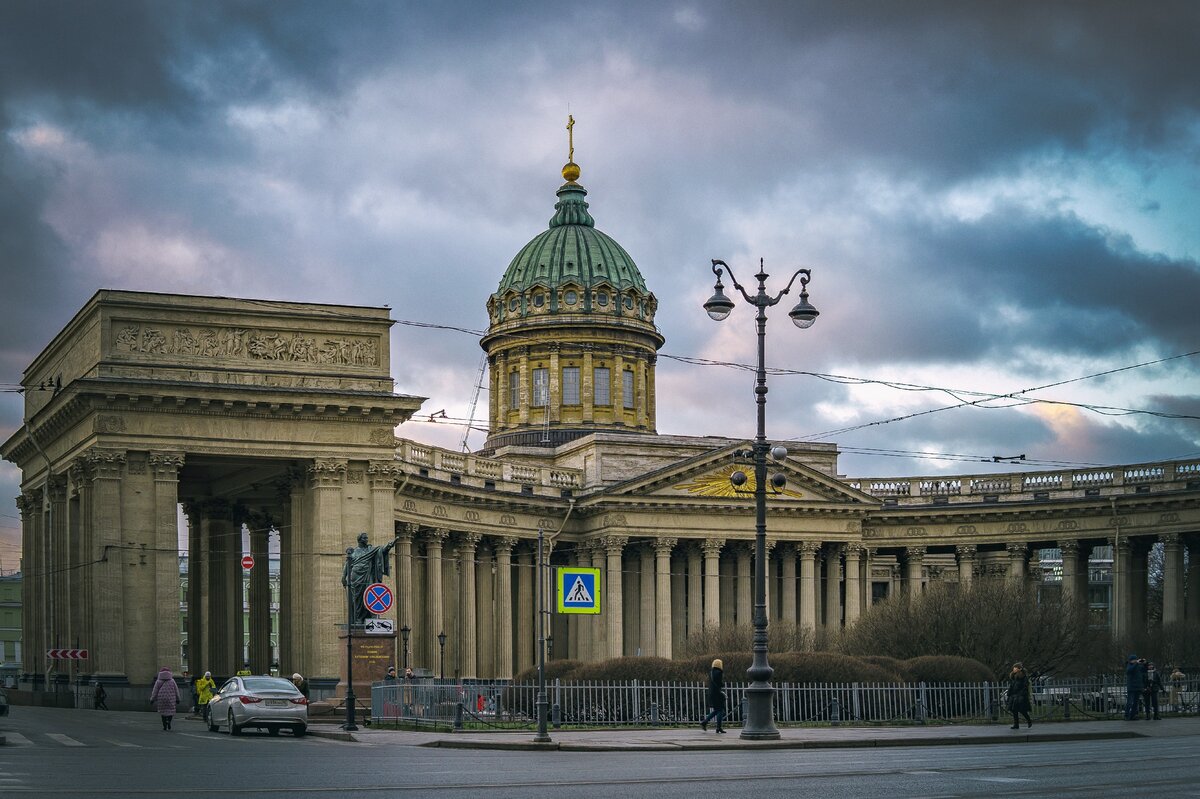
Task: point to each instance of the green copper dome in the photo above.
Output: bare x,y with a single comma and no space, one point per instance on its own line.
573,255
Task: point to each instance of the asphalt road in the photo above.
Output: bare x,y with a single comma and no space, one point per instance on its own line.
76,753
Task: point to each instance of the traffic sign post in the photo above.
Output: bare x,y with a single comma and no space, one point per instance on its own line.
377,598
578,590
247,562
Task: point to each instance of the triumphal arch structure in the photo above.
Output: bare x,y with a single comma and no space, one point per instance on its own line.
272,427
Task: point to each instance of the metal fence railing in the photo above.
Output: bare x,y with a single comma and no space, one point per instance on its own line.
499,703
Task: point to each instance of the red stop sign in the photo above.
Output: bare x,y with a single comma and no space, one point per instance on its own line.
247,561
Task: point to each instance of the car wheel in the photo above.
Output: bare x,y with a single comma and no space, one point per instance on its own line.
273,730
234,729
212,724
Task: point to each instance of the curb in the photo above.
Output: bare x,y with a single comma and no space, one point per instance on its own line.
868,743
334,734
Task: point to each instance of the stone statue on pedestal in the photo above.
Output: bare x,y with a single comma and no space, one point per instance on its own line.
365,565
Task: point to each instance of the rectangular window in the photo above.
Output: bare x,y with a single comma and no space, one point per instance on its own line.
541,388
600,377
627,387
514,389
570,386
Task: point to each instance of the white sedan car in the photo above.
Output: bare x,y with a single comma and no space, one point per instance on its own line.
263,702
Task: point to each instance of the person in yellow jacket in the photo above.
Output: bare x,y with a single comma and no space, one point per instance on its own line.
205,686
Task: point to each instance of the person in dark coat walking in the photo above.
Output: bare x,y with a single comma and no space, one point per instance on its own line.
99,697
1154,687
716,696
1020,695
1135,683
165,696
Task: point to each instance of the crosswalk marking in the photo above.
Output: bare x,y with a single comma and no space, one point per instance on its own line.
65,740
123,743
17,739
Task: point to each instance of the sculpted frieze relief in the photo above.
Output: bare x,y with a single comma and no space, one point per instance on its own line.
105,423
246,344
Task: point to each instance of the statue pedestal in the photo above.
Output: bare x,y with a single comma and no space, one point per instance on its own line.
372,655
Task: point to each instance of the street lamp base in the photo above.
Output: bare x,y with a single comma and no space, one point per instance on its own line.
759,724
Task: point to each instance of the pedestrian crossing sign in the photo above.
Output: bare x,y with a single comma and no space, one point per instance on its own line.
578,590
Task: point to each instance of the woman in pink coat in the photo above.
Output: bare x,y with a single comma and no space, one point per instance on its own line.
165,696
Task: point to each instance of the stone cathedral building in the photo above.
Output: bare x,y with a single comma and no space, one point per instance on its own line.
275,423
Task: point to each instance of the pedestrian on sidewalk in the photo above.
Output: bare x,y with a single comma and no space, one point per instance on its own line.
98,697
1175,691
390,676
300,683
1020,695
716,696
1154,686
1135,681
205,688
165,697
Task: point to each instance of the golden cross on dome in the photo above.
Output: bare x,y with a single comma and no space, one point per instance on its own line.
570,137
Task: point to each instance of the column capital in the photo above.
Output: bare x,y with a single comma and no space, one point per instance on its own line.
505,544
855,550
808,549
1017,549
712,546
966,551
29,503
383,474
437,536
916,553
614,544
166,465
769,547
467,543
57,487
409,530
326,473
103,463
1171,539
663,546
1069,548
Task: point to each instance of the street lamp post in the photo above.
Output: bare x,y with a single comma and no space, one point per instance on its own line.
350,726
442,654
404,633
542,704
759,723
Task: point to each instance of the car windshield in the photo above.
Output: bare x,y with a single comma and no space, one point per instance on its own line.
268,684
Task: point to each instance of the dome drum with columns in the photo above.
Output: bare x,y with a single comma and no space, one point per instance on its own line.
571,341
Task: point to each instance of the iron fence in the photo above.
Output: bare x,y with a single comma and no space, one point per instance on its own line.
500,703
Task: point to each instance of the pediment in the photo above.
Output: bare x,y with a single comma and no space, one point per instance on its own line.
707,477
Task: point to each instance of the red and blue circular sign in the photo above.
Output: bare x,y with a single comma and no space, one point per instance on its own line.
377,598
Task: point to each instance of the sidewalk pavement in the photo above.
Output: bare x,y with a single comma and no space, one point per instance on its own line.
692,738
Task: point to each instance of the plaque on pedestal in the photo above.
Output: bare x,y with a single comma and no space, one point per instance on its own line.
372,655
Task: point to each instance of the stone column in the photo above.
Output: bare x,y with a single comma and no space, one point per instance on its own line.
1121,599
808,585
1072,597
435,619
614,545
29,510
966,554
330,610
302,556
745,586
468,628
833,586
600,626
712,582
504,620
662,595
647,640
223,590
525,611
1018,557
1139,572
1192,609
1172,579
768,601
108,654
695,591
287,658
916,562
787,555
58,568
404,574
260,595
195,594
853,586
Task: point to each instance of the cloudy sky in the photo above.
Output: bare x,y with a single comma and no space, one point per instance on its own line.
995,199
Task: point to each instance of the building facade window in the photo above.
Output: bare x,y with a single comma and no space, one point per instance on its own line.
541,388
627,387
514,389
570,386
600,379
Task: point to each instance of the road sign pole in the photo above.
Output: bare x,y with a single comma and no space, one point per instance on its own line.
349,726
542,736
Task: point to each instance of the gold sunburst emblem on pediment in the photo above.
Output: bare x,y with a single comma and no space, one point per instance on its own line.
716,484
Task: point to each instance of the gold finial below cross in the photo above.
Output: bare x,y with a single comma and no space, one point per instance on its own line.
570,138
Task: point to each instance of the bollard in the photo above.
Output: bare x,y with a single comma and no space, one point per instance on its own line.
1067,706
835,712
654,713
921,703
556,715
458,716
744,714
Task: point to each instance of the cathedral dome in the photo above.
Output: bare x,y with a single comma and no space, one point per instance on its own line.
577,268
